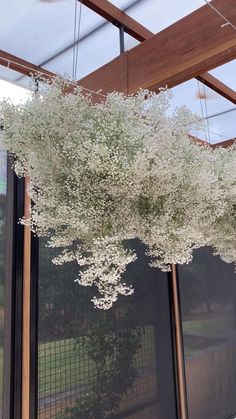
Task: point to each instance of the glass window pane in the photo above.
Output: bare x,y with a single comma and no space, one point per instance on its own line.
226,74
97,363
208,300
2,262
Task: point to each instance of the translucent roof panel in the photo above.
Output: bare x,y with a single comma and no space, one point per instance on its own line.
226,73
157,15
38,29
217,112
93,52
12,76
197,96
42,32
219,128
17,94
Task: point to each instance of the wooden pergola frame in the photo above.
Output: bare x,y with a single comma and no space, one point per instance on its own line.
148,65
196,44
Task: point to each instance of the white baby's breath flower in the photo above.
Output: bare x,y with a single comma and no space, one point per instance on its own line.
122,169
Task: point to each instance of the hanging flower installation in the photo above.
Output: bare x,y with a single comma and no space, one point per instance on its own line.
102,174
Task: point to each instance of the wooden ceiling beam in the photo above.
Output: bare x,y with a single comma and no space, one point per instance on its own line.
114,15
24,67
219,87
29,69
192,46
224,144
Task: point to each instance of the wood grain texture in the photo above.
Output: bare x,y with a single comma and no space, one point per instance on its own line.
179,345
22,66
113,14
116,16
186,49
189,47
219,87
108,78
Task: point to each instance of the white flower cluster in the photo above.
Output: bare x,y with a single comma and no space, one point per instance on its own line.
102,174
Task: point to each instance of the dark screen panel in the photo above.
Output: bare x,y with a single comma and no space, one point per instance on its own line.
2,263
208,300
104,364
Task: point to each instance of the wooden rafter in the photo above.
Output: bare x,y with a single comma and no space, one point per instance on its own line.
22,66
149,66
29,69
225,144
116,16
218,86
113,14
196,43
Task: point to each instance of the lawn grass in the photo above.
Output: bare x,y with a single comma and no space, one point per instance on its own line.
64,364
61,365
221,328
218,327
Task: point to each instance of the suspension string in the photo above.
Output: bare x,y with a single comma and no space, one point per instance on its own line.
202,112
76,31
206,113
74,38
227,21
40,76
43,76
78,39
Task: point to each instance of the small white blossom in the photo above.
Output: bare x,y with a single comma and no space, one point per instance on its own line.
122,169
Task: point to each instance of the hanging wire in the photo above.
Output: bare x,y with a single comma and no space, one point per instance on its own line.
74,38
78,38
44,76
204,117
227,21
206,113
41,75
76,32
76,35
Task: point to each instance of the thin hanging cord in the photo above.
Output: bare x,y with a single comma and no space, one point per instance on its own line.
44,76
202,112
206,113
76,31
73,57
227,21
40,76
78,38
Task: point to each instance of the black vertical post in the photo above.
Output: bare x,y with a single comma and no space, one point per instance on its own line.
166,380
12,370
34,258
122,39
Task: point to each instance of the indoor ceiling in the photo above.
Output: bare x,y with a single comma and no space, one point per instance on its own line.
42,32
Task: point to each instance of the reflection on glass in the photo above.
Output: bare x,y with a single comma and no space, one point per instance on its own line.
2,263
208,303
94,363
